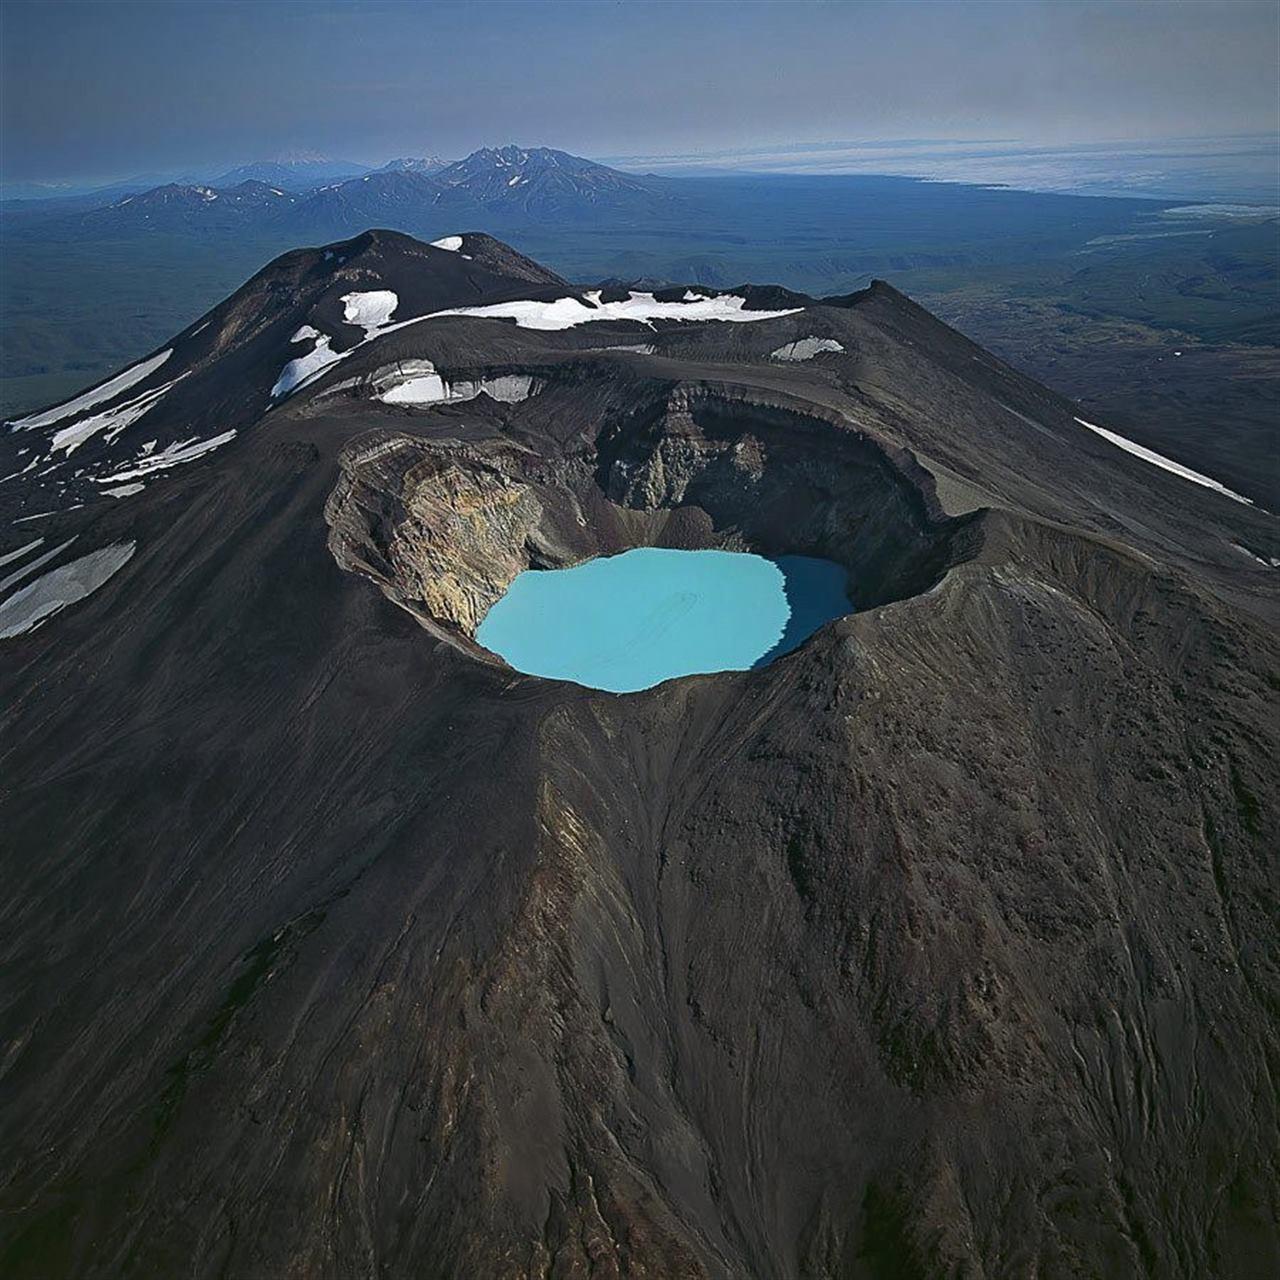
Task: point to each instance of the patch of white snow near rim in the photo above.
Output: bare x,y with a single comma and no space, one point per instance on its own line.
304,368
125,490
508,388
173,455
112,421
1167,464
54,591
371,310
113,387
560,313
425,386
451,244
565,313
805,349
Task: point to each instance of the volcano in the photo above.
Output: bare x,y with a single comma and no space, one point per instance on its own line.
944,944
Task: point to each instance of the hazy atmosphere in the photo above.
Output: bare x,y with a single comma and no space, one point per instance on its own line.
102,91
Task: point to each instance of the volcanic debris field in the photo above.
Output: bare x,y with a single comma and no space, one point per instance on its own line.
944,944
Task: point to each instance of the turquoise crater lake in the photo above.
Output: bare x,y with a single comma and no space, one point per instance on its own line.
627,622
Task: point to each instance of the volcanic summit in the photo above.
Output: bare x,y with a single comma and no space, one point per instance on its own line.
943,945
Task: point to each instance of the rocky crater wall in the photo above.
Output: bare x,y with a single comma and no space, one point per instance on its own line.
444,526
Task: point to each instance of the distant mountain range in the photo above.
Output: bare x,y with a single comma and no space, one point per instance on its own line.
415,164
295,172
192,205
311,196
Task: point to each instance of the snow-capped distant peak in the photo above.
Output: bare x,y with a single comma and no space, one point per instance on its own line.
414,164
301,157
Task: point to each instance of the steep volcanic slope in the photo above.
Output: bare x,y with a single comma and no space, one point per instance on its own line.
944,945
218,377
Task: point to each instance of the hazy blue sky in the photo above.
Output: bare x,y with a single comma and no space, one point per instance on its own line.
111,89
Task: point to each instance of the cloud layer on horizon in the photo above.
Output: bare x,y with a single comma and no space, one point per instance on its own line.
103,89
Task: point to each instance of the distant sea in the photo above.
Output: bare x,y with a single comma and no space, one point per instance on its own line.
1241,169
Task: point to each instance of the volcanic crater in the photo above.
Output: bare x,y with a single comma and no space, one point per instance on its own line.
444,527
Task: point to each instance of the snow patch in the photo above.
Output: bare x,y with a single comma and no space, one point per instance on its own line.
371,310
173,455
509,388
560,313
422,385
1273,563
14,474
805,349
121,382
10,556
304,334
451,244
305,368
644,308
1166,464
18,574
125,490
112,421
54,591
409,382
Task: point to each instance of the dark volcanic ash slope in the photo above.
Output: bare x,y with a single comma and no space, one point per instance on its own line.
946,945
